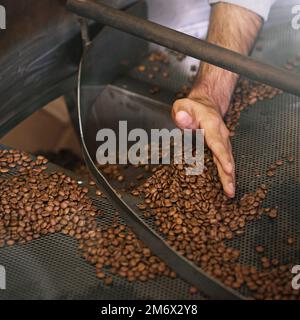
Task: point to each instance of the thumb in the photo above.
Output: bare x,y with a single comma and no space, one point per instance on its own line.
184,117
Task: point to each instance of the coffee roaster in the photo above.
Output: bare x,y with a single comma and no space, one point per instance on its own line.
111,89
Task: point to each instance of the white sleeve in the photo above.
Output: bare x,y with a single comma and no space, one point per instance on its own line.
261,7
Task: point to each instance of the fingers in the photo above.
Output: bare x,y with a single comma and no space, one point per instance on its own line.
217,139
184,115
222,151
221,148
190,114
226,180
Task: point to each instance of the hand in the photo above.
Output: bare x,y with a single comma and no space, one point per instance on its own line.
201,113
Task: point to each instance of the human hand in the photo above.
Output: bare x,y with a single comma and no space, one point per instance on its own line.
201,113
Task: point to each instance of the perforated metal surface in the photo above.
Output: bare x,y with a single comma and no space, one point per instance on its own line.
269,131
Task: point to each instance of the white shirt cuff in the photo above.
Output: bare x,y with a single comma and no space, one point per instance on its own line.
261,7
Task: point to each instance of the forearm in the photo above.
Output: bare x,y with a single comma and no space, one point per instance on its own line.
234,28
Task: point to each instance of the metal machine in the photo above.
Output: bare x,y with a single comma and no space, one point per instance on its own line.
269,128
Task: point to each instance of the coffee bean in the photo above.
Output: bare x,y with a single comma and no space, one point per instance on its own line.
291,158
265,262
179,221
10,242
64,205
141,68
165,75
108,281
275,262
273,213
193,290
98,193
270,173
101,275
259,249
120,178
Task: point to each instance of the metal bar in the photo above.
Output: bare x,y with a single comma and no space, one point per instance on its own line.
188,45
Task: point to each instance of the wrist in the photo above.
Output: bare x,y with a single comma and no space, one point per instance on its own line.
208,98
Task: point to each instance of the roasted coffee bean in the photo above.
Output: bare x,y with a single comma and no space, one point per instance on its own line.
291,158
98,193
270,173
275,262
108,281
259,249
141,68
165,75
100,274
120,178
273,213
193,290
56,203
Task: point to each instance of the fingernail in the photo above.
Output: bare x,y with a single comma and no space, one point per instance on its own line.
231,190
184,120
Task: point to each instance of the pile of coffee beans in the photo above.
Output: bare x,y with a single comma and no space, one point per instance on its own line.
115,250
246,94
35,203
12,160
196,218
